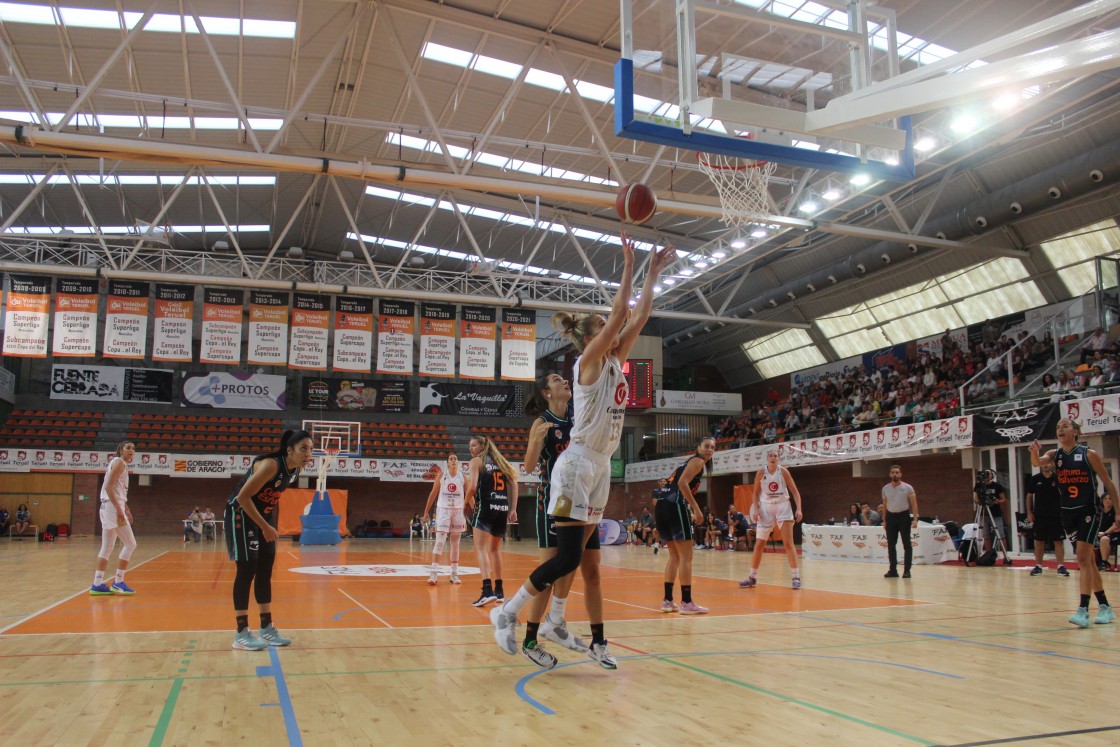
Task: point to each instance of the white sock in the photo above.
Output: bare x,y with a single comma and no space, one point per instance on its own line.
455,568
98,578
754,573
119,578
435,567
515,603
557,607
796,572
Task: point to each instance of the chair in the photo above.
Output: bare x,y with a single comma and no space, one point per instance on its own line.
385,528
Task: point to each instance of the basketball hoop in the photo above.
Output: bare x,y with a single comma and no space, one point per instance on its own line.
741,184
324,461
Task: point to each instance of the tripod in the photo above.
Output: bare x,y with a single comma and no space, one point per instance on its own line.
983,510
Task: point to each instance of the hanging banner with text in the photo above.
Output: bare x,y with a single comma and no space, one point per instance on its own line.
75,318
1015,425
238,390
1096,414
221,326
519,345
666,399
396,328
476,342
354,395
25,328
173,333
437,340
475,400
126,320
311,319
353,334
268,328
111,383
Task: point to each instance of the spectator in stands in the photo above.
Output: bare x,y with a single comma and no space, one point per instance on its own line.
868,516
1097,378
984,389
416,527
208,523
5,519
23,519
769,434
645,526
1050,384
739,528
1096,341
192,527
854,517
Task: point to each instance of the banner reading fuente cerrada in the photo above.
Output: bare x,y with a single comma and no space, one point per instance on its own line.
437,340
126,320
353,334
25,329
476,342
476,400
311,318
75,318
238,390
221,326
1015,425
354,395
519,345
111,383
268,328
396,328
173,333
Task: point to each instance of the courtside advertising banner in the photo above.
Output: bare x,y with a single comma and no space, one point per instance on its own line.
475,400
353,334
1096,414
519,345
311,320
238,390
408,470
75,318
126,320
28,317
173,333
268,328
396,329
111,383
198,465
221,326
437,340
476,342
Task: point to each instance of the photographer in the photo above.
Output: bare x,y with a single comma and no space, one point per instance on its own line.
988,492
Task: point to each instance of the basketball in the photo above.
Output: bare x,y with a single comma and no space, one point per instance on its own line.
636,203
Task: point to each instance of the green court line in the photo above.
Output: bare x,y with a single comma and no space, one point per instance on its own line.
165,715
798,701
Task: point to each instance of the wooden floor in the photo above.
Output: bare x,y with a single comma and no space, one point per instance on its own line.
954,656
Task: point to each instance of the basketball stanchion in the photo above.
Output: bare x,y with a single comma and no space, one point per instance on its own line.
320,523
742,186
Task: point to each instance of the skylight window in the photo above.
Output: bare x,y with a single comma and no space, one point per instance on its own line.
106,230
783,352
133,180
110,19
132,121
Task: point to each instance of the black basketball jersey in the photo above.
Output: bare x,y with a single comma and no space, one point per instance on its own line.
492,485
1047,497
672,490
1076,478
555,441
267,499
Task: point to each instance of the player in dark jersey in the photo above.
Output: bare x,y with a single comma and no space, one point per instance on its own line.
1078,467
548,437
492,485
251,516
676,512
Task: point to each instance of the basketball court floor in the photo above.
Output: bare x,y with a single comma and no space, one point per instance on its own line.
953,656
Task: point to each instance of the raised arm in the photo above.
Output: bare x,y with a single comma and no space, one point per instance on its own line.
597,349
537,433
658,261
1037,457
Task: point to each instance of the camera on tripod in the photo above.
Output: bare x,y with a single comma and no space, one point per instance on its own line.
987,497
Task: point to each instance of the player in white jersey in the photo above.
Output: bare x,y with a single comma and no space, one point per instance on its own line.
770,506
450,488
581,477
116,522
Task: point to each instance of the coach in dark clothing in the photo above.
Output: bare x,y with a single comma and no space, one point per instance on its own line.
1044,511
901,506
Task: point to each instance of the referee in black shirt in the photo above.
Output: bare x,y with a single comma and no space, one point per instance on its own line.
1044,511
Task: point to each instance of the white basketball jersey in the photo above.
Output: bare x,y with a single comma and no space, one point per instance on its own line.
122,482
774,486
451,490
599,408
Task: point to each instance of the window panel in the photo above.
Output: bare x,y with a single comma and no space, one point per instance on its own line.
1073,254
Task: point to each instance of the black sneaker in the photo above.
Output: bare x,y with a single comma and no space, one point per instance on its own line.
499,596
891,574
1036,571
486,598
906,574
1062,571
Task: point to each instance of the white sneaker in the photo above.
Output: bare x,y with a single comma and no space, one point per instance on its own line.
601,654
559,634
505,629
433,577
535,653
455,578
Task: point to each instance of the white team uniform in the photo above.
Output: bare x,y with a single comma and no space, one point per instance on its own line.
773,502
108,510
111,528
449,506
581,478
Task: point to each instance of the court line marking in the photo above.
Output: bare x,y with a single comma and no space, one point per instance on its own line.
165,715
72,596
367,609
1028,737
276,671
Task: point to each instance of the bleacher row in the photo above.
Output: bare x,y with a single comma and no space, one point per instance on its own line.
76,430
405,440
154,432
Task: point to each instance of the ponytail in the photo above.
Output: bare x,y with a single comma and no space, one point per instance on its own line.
575,327
496,456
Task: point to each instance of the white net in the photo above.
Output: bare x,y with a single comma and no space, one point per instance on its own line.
741,184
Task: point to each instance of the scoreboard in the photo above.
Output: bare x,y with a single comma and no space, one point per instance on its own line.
639,378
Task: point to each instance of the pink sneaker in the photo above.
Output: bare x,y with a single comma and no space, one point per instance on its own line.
667,605
692,608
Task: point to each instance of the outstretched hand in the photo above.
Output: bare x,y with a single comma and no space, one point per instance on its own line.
627,248
661,259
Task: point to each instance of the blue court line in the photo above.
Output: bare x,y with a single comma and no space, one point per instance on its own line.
344,612
277,673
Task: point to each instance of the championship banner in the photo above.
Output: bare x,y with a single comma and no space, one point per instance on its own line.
476,342
437,340
238,390
354,395
28,317
173,333
75,318
519,345
1096,414
111,383
1016,425
268,328
126,320
311,318
353,334
221,326
396,327
475,400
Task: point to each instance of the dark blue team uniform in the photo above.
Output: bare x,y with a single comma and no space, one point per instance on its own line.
555,441
1081,506
673,513
243,536
492,498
